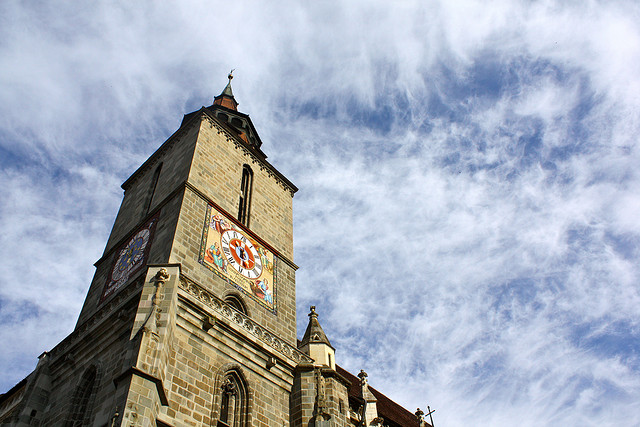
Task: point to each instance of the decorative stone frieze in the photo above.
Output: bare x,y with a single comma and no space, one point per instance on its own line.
239,319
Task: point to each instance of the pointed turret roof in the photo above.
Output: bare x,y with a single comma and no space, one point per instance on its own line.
314,333
226,98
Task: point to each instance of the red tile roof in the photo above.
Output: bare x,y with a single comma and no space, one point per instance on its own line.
387,408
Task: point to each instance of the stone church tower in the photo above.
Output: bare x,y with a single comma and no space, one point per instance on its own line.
190,319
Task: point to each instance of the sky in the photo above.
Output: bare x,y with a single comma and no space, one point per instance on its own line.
467,220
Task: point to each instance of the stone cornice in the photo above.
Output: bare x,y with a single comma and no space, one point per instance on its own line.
265,336
119,300
175,137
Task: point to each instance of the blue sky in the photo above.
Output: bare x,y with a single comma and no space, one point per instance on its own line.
467,220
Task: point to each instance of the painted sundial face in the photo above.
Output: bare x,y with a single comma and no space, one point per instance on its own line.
130,256
241,254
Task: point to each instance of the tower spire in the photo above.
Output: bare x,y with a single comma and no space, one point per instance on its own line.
316,344
314,332
226,98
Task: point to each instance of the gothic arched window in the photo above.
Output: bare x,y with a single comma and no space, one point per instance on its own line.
83,398
244,207
234,401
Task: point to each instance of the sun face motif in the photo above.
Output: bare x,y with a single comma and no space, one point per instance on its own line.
241,254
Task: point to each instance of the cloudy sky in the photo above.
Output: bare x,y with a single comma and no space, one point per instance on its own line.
467,220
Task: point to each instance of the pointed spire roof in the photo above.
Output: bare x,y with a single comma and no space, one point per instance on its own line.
314,333
226,98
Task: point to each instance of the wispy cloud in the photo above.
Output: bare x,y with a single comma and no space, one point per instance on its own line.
467,219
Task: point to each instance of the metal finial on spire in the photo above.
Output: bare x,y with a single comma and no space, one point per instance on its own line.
226,98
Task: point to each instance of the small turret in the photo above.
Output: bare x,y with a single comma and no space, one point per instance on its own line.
316,344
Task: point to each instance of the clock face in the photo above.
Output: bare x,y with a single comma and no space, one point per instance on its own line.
241,254
240,260
130,257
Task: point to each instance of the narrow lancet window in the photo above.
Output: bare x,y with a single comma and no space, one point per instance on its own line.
244,207
80,410
233,405
152,189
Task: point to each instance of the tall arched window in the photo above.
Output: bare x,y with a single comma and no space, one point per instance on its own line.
234,401
244,207
83,398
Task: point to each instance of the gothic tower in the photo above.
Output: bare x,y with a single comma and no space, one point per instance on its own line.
190,318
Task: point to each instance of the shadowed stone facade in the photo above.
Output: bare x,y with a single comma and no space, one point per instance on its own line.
165,338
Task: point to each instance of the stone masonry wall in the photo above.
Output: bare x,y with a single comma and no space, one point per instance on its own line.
175,155
200,356
159,253
153,333
216,175
304,396
186,251
101,342
217,172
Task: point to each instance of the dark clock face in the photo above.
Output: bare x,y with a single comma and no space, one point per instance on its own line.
130,257
241,254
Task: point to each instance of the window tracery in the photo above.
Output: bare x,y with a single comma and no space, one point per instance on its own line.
234,401
83,398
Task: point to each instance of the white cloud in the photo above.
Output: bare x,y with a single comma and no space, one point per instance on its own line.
468,176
